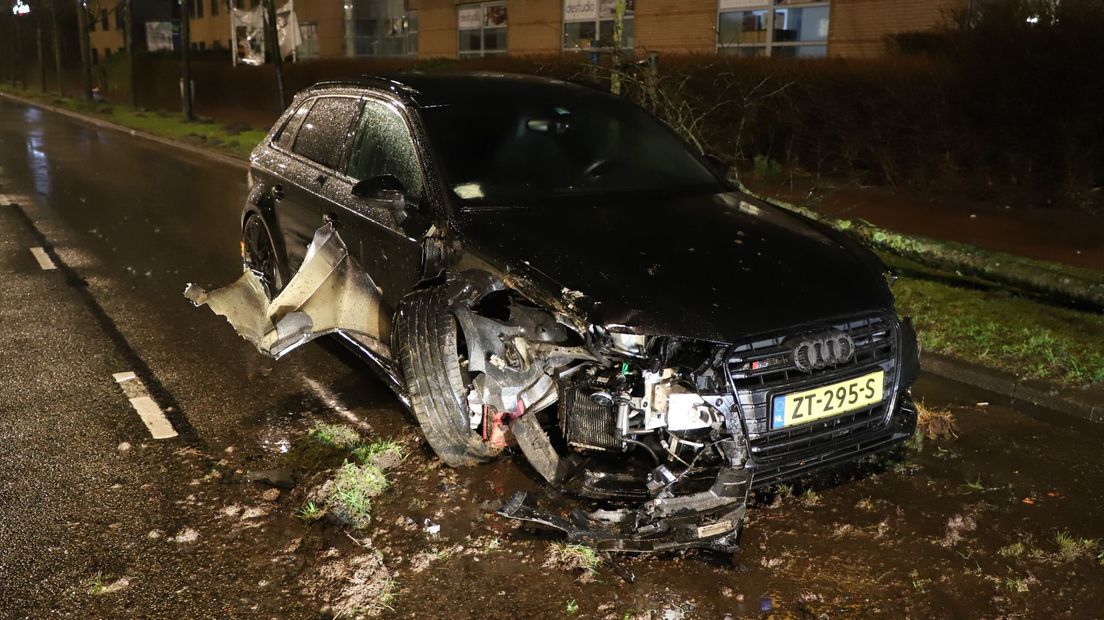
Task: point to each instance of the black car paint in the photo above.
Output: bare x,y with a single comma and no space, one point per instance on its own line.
713,267
718,267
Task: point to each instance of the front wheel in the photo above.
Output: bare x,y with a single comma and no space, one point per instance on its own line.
431,351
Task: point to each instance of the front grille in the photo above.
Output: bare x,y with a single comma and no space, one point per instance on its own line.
762,369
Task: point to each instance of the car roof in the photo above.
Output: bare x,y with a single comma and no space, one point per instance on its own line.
434,89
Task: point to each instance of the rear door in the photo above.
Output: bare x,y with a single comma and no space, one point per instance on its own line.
318,155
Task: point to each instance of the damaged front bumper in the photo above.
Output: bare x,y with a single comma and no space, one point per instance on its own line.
710,519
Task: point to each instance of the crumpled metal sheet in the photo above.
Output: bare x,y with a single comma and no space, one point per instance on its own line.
329,293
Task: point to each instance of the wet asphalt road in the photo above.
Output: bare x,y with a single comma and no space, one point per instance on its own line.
132,222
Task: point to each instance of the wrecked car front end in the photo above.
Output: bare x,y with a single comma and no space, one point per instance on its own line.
659,440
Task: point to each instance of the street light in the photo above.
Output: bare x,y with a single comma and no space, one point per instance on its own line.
21,8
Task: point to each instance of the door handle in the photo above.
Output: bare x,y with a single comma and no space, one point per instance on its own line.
321,179
277,192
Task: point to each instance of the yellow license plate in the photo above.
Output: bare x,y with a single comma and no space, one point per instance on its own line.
827,400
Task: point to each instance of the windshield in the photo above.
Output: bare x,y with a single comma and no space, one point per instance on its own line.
519,153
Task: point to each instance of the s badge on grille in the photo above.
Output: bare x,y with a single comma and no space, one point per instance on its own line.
819,351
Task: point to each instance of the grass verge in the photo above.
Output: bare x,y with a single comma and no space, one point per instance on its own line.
991,327
232,139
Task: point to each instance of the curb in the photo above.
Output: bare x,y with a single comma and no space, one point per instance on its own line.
1006,384
999,382
105,124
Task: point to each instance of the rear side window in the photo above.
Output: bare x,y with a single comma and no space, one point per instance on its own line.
287,132
326,129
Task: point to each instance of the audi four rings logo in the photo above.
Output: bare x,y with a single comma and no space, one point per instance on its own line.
822,350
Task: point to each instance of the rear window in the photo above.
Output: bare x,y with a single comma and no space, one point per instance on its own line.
287,132
327,128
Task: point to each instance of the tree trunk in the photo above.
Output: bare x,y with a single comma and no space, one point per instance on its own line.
17,58
186,57
272,39
41,60
57,45
128,36
85,50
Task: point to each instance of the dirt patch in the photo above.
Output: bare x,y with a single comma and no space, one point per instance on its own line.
353,586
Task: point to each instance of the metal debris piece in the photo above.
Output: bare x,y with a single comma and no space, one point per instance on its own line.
330,293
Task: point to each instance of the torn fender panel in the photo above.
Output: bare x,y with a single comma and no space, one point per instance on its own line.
330,293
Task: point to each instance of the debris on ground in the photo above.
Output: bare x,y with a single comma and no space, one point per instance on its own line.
348,496
935,423
352,587
281,478
956,525
433,530
572,557
186,535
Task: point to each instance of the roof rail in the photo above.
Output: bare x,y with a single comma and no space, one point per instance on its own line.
366,80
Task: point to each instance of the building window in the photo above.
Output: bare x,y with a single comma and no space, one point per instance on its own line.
309,32
380,28
103,20
589,24
785,28
198,4
214,7
481,28
120,17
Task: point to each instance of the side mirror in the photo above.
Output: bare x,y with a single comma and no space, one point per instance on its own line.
385,187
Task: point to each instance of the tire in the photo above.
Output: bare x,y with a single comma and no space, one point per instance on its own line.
426,335
260,253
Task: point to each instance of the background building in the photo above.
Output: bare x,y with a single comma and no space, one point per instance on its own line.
465,28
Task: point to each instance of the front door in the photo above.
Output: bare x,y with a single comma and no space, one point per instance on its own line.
386,238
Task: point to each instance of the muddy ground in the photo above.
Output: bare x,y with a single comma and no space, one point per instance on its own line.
101,520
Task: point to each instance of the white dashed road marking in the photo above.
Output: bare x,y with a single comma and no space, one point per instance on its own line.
43,258
151,414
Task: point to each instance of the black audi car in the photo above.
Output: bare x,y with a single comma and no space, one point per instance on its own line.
533,263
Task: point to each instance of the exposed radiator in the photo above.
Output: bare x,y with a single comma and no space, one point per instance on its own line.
587,425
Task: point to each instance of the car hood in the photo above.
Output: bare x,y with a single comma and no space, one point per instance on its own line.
717,267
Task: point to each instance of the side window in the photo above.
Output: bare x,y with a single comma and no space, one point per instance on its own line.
383,145
287,132
326,129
